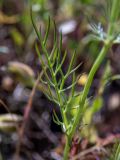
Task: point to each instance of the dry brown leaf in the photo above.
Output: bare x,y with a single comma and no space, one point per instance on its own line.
4,19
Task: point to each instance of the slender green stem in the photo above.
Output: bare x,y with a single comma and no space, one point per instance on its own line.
88,85
114,15
67,148
101,56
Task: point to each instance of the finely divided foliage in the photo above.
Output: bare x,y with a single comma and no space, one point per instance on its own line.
52,67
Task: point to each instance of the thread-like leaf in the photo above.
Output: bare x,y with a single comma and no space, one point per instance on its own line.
76,68
60,43
56,119
43,65
69,87
47,32
71,62
55,31
34,25
60,65
58,59
73,87
52,54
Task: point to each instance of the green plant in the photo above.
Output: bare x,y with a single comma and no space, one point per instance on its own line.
52,67
115,152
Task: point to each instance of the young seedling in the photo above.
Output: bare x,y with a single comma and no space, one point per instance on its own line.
52,67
